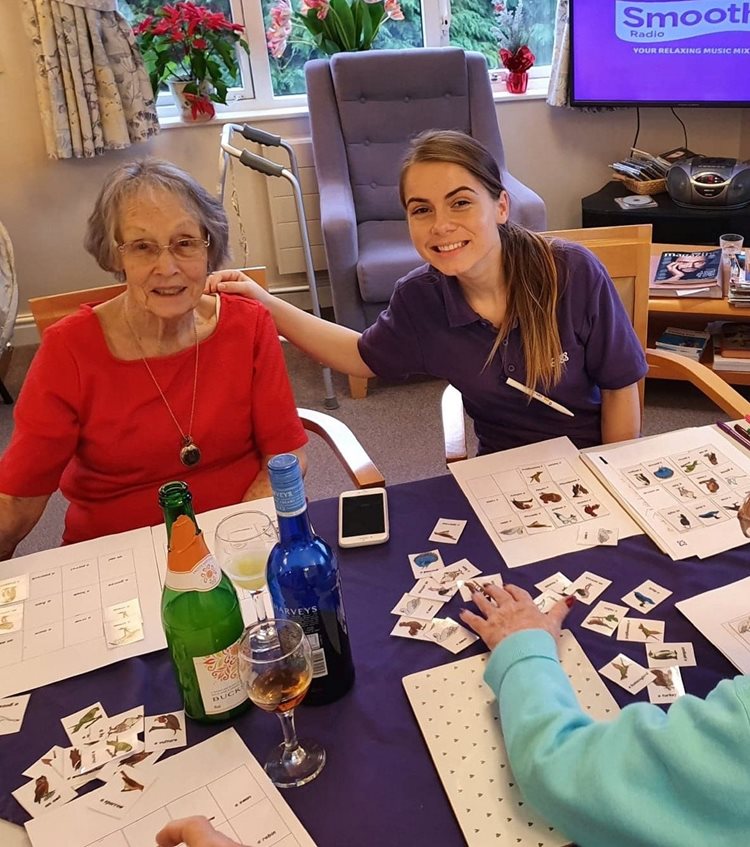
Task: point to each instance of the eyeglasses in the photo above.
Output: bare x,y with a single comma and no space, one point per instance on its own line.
149,252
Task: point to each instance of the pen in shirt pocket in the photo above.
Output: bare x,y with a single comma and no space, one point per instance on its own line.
535,395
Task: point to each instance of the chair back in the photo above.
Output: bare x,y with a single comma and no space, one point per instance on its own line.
625,252
53,307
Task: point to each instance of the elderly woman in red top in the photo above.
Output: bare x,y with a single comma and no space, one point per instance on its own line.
163,382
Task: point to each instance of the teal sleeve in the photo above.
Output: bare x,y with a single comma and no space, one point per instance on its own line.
644,779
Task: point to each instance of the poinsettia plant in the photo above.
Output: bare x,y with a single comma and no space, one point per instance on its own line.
333,26
513,32
190,43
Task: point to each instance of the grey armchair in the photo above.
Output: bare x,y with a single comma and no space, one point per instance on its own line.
364,108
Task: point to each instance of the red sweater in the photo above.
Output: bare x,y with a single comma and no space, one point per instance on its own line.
96,427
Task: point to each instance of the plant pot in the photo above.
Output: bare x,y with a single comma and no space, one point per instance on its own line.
193,108
517,82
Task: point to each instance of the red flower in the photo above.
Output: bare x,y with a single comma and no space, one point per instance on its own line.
519,61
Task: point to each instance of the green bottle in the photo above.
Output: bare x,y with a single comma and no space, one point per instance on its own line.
201,616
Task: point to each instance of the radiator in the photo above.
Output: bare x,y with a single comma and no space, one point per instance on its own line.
290,258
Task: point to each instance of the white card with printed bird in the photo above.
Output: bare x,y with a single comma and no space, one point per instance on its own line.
122,792
662,654
604,618
626,673
587,587
169,729
640,629
86,725
44,793
646,597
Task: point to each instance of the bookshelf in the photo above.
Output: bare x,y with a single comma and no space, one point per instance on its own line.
691,313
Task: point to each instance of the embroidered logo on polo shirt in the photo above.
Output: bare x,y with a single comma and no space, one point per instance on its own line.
563,358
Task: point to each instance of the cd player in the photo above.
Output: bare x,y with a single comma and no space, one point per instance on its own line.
704,182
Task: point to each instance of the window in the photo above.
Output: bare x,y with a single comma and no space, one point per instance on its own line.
269,83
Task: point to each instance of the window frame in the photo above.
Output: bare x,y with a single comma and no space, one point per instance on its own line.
257,99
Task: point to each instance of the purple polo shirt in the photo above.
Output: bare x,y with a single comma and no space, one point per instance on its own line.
429,328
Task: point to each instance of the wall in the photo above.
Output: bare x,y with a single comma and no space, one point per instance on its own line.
560,153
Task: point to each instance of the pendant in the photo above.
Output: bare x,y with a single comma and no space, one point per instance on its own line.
190,454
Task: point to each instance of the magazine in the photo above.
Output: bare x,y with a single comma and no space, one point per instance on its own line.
686,342
689,273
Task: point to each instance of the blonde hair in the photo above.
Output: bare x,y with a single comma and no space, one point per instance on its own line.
528,259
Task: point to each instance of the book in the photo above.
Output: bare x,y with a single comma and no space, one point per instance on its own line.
685,342
695,273
731,341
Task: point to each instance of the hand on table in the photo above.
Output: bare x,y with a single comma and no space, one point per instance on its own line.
515,610
194,832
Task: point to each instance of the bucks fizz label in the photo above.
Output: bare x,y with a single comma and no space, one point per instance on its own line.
219,680
203,577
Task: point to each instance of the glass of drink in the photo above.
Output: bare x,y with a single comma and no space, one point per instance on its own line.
243,543
277,671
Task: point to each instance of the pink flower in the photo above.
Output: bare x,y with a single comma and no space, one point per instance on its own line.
321,5
278,33
393,10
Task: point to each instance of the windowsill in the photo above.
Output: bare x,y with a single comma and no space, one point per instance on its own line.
537,90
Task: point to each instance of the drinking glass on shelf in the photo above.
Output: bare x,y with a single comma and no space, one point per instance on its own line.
243,543
277,671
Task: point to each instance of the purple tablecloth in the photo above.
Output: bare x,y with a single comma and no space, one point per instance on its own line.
379,786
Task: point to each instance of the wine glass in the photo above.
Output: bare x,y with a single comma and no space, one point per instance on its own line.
243,543
277,672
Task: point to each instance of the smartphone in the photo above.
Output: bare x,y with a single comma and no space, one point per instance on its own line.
363,517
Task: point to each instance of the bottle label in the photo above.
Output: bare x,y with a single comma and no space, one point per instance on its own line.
290,502
219,680
203,577
308,618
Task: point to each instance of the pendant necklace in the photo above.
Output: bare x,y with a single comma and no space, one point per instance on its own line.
190,453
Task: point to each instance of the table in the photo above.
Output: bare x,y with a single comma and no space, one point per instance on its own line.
692,313
671,223
379,786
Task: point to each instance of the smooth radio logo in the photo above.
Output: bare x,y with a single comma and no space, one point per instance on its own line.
659,22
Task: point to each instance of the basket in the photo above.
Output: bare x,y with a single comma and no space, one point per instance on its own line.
651,186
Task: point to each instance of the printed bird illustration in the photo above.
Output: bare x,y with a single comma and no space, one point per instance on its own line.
711,456
714,513
643,599
689,467
565,519
744,626
649,633
643,478
169,721
130,783
579,490
623,667
684,520
603,535
592,509
522,504
10,720
513,530
550,497
685,493
75,758
536,477
8,594
136,758
711,484
584,591
449,576
731,480
118,747
735,507
93,715
5,623
413,626
41,790
124,725
663,472
607,621
477,588
539,525
662,678
663,655
444,533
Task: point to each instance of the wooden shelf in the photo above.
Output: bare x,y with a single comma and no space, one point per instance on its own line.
691,313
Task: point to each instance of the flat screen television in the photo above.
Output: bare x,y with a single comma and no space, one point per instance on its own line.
657,53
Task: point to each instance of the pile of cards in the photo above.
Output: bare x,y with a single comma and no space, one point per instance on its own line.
663,674
436,583
105,748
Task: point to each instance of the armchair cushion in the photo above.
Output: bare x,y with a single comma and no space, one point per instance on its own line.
385,255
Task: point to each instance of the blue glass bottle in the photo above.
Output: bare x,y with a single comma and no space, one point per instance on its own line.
303,577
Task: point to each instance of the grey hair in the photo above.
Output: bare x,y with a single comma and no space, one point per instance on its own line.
102,230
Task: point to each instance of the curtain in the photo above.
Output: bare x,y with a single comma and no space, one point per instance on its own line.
93,90
8,289
559,83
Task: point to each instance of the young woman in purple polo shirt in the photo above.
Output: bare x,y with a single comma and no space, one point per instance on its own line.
494,301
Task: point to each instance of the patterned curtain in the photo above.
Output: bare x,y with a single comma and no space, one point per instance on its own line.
8,289
93,90
559,83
